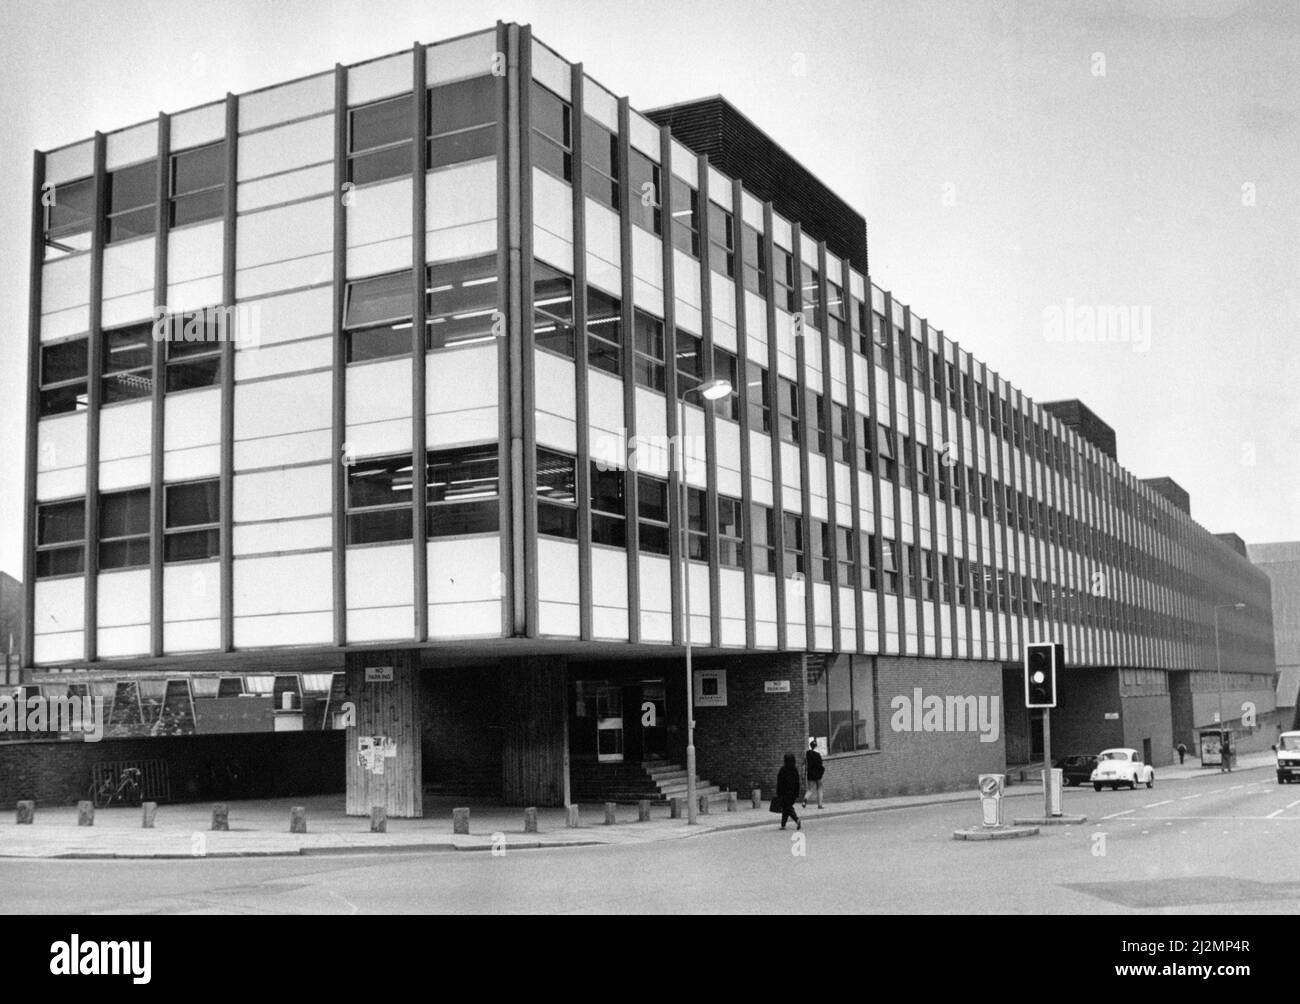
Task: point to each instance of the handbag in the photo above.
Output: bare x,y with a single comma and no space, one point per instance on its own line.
775,806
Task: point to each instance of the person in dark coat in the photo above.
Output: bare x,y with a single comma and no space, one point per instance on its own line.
814,770
1182,752
787,791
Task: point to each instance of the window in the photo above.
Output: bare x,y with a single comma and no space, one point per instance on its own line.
889,565
762,529
648,361
866,437
756,397
379,500
124,529
986,496
60,538
689,361
731,532
461,302
127,366
725,368
841,429
600,163
954,387
960,578
461,121
379,140
936,376
552,133
794,547
132,195
788,405
886,462
557,500
552,310
652,514
927,574
841,703
902,354
193,348
198,182
923,453
881,353
821,541
909,570
906,462
686,216
753,260
63,377
787,296
968,397
461,491
870,560
604,331
812,295
846,559
193,521
69,218
643,174
835,312
697,524
722,241
920,363
377,316
608,509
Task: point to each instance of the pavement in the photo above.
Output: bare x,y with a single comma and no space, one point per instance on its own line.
261,828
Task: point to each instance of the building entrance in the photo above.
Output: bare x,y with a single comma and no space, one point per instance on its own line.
617,721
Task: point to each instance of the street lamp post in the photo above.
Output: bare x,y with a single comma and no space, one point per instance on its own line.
1218,666
711,390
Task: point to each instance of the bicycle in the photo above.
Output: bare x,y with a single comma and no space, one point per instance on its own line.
126,790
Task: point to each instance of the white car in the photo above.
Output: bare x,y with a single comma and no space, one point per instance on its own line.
1122,767
1288,757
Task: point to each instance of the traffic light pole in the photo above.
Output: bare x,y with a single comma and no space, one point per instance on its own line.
1047,761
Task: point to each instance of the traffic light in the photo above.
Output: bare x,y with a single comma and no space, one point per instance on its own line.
1042,660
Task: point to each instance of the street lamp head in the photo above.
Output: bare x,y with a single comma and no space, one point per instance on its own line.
713,390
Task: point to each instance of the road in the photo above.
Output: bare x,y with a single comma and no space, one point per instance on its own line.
1221,844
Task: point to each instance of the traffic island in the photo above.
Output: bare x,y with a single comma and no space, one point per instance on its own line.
995,832
1050,821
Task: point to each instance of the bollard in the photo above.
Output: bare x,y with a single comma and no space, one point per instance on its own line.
674,808
460,820
221,816
378,819
643,811
148,812
704,805
298,819
609,813
571,817
530,820
756,799
733,801
85,813
26,812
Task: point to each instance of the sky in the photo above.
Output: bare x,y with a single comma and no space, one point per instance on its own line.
1025,169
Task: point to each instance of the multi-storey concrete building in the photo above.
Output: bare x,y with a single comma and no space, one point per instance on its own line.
1281,562
363,391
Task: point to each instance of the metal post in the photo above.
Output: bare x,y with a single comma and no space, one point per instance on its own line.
1047,762
692,803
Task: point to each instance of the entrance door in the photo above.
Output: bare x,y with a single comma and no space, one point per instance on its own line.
609,724
1146,750
654,721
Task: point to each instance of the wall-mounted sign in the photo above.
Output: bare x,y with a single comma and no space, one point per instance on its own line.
711,688
379,674
776,686
1112,716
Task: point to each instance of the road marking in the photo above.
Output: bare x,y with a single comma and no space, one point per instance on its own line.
1114,814
1154,805
1236,787
1294,804
1216,791
1186,797
1274,815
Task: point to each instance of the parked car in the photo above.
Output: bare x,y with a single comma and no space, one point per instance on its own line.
1076,769
1122,767
1288,757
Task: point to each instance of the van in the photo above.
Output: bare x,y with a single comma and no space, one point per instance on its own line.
1288,757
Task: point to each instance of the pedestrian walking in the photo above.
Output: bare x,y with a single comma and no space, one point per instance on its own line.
787,792
814,770
1182,752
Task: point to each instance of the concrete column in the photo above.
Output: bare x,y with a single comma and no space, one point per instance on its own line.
609,813
378,819
530,820
298,819
221,816
85,813
643,810
460,820
148,813
26,812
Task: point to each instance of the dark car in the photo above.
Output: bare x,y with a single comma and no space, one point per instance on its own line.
1076,769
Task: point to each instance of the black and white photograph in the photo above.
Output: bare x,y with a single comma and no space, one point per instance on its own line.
795,459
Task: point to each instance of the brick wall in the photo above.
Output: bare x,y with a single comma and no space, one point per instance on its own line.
251,765
911,762
742,745
1084,698
1150,718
